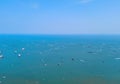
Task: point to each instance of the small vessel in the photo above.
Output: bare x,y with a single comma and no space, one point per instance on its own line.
1,56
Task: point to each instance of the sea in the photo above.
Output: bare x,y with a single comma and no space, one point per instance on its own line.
59,59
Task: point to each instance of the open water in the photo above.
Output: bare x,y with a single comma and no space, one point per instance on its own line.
59,59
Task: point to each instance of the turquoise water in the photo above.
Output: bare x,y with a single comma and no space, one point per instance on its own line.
85,59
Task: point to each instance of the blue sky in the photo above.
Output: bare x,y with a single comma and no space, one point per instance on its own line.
59,16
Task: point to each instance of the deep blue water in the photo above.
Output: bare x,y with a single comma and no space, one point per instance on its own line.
59,59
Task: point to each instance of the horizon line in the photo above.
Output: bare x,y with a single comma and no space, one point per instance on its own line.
59,34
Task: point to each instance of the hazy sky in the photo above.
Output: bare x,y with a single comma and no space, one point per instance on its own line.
60,16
